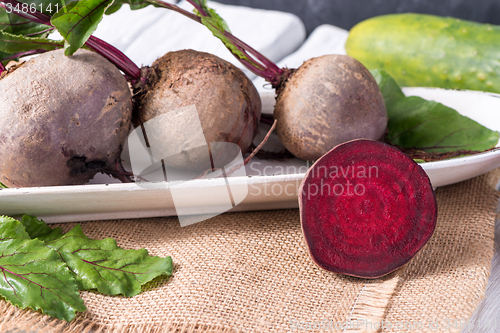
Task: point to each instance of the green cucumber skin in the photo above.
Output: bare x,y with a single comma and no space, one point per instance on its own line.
429,51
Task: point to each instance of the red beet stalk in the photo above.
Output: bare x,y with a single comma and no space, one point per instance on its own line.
256,62
115,56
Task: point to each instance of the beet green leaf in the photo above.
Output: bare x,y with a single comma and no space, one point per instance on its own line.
134,5
100,264
78,20
38,229
10,43
218,27
5,58
416,123
17,25
34,276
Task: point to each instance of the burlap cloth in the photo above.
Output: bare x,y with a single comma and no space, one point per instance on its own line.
251,272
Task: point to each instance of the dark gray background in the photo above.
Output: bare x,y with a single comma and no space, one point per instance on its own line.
346,13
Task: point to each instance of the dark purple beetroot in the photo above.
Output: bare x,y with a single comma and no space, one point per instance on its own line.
366,209
63,119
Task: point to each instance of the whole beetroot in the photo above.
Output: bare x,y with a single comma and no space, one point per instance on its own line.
63,119
228,105
329,100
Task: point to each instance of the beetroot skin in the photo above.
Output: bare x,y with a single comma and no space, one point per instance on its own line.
329,100
366,209
228,105
63,119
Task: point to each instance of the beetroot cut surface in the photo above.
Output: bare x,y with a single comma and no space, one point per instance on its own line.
366,209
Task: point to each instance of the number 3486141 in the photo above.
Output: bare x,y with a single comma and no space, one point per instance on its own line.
31,8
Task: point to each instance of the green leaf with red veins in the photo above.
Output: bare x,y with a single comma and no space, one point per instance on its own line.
134,5
78,20
3,57
100,264
202,4
218,27
34,276
38,229
15,43
17,25
416,123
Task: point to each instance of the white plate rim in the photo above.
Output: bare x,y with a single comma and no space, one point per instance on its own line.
35,198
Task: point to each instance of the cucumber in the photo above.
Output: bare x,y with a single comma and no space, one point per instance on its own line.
429,51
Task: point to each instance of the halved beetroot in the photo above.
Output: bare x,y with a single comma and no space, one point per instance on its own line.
366,209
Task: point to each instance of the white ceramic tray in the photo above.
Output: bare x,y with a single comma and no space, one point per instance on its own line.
268,184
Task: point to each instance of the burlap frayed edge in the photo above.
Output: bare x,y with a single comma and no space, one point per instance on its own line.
46,324
371,303
27,320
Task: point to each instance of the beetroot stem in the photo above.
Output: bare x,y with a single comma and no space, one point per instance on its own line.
198,8
2,68
175,9
256,70
247,160
259,147
24,54
255,151
41,32
108,51
262,67
115,56
248,49
267,69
